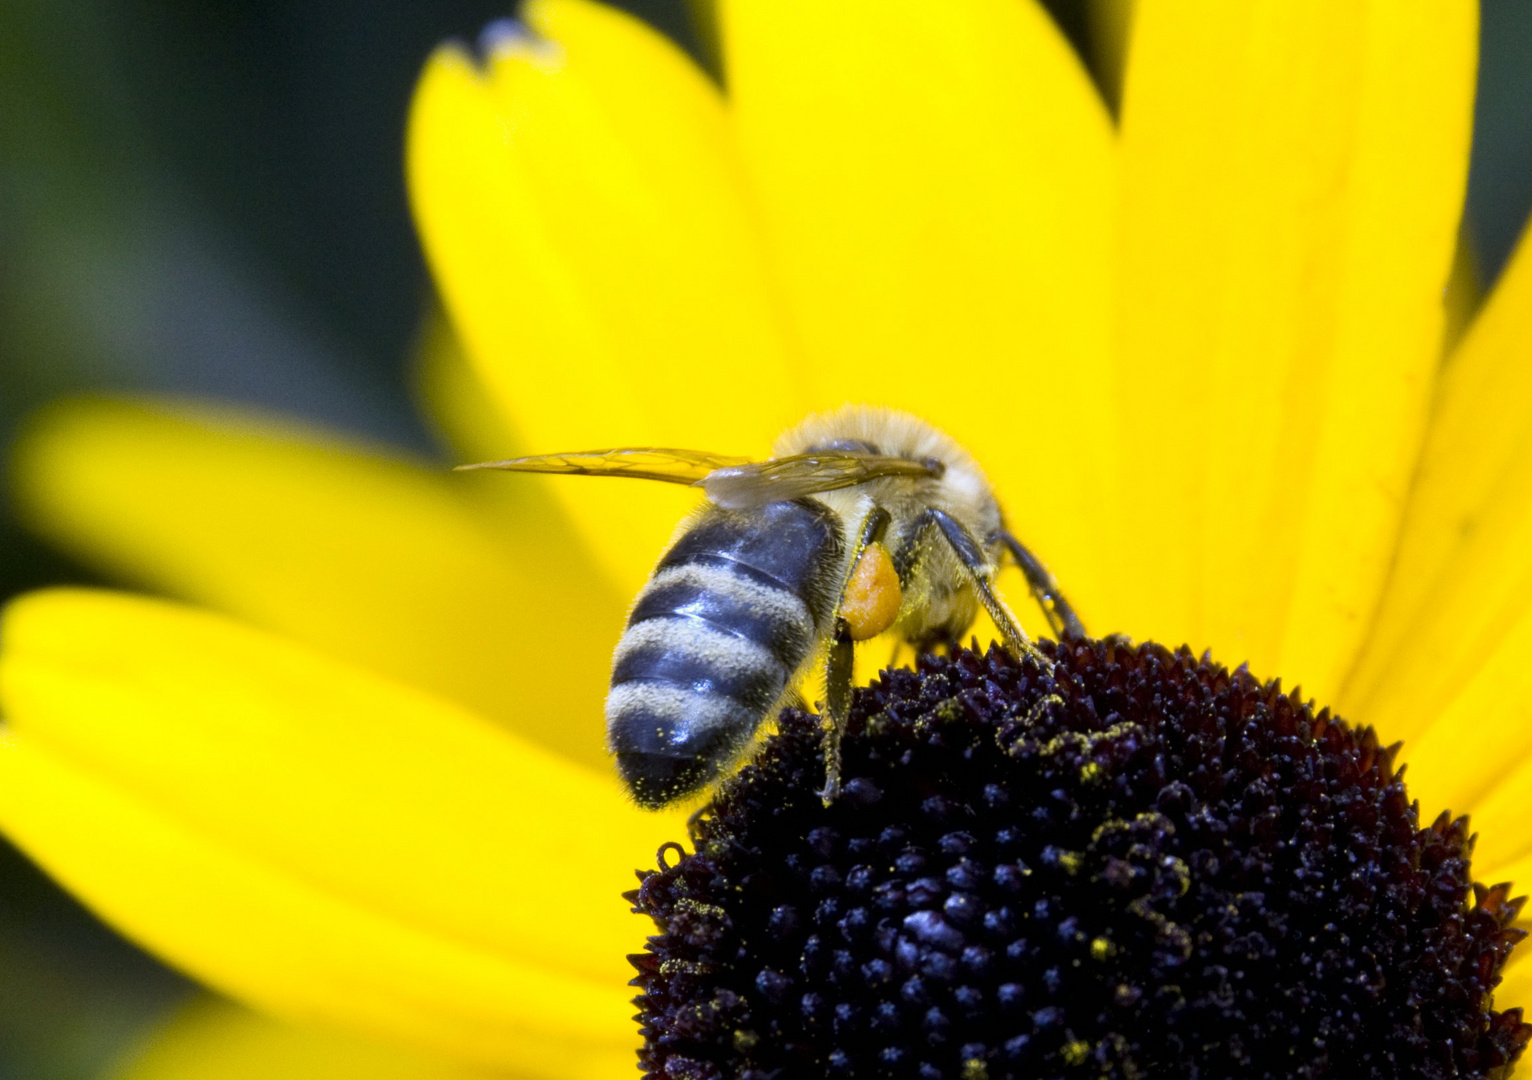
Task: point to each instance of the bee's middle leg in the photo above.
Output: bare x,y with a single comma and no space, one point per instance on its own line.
838,674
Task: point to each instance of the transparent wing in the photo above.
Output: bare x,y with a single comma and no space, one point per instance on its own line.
780,479
638,462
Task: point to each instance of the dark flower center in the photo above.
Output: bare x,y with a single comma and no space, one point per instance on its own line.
1125,863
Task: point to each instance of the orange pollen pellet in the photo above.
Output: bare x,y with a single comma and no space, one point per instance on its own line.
872,598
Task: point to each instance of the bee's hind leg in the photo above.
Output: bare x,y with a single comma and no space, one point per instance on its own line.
839,666
838,673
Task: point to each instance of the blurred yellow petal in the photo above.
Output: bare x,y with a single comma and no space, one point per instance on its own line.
703,20
1464,293
1111,23
372,560
268,939
465,415
580,204
1292,179
315,840
1463,574
211,1039
936,184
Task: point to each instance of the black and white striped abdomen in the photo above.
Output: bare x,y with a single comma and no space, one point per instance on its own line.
732,612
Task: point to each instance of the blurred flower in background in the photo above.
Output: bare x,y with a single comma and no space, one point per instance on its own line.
209,202
205,200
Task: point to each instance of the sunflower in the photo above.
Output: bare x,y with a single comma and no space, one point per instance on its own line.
352,776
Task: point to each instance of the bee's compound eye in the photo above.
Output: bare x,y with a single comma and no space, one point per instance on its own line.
844,446
872,598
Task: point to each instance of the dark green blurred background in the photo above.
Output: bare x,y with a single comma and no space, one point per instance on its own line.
207,198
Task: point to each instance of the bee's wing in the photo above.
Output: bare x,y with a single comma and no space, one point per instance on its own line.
781,479
638,462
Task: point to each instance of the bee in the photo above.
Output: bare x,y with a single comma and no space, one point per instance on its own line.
863,520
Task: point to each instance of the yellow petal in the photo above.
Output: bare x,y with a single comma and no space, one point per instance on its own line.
314,840
1502,809
1477,743
380,562
1515,991
1463,574
211,1039
1519,873
581,208
937,185
1292,178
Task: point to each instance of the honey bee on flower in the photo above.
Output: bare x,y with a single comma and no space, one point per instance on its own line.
865,520
1197,345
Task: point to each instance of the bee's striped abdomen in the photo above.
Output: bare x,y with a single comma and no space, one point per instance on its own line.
731,613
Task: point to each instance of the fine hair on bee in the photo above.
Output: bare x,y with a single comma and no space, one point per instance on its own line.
863,520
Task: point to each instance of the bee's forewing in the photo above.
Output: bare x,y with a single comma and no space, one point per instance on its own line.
638,462
782,479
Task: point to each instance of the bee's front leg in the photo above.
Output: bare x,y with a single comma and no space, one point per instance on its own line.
838,673
971,557
1061,617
